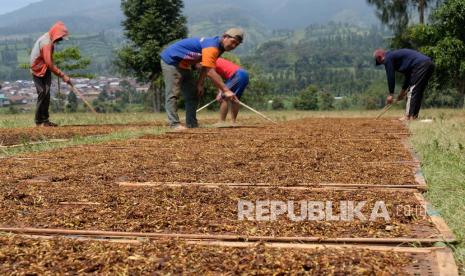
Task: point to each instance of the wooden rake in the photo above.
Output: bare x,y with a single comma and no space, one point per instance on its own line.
255,111
386,109
244,105
79,94
205,106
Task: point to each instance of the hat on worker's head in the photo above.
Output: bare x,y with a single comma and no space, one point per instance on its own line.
379,54
58,31
236,33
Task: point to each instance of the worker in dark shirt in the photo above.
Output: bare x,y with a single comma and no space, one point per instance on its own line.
417,69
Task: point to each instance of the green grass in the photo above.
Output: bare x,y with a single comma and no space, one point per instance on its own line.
441,146
78,140
27,119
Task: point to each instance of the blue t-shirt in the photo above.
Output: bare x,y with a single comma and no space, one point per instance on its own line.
403,61
189,51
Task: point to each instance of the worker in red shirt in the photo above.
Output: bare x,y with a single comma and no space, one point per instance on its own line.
42,67
237,80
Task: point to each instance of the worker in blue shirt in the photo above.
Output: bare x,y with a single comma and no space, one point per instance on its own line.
417,69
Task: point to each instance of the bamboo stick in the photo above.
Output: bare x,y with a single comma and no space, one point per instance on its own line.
76,91
111,234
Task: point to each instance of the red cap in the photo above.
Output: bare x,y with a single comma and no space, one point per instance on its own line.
379,56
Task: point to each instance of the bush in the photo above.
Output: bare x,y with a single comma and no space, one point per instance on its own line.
12,109
325,101
307,99
343,104
278,104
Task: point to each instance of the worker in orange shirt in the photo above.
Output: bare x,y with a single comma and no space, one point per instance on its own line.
42,68
178,59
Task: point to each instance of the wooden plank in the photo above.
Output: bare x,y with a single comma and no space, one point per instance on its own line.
402,162
437,220
110,234
394,133
239,127
443,228
443,254
368,139
319,246
111,240
267,136
188,133
179,184
399,249
374,186
446,263
318,186
387,162
438,260
78,203
24,158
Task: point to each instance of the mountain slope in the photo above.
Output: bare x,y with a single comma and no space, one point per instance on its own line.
86,16
81,16
277,14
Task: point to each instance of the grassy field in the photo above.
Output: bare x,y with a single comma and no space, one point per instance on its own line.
440,144
27,119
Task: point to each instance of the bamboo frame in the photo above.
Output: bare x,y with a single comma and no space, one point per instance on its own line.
401,162
446,263
438,221
443,259
111,240
24,158
37,180
440,259
324,246
386,186
350,137
79,203
207,237
316,186
187,133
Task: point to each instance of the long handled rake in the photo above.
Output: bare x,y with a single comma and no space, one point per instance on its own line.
244,105
386,109
76,91
251,109
205,106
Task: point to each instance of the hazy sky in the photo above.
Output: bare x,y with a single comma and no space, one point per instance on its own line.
11,5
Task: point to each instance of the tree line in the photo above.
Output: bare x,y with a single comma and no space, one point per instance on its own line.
334,59
321,67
